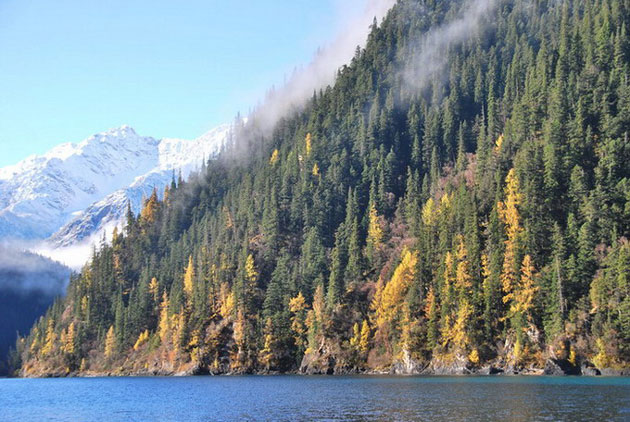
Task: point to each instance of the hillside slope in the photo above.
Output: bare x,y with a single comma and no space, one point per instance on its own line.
458,201
29,284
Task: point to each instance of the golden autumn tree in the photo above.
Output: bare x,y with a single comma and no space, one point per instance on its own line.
239,358
142,338
36,341
360,340
406,325
180,330
463,274
356,336
375,232
68,339
151,208
315,318
455,337
297,306
227,301
274,157
428,212
457,309
153,290
522,304
250,270
267,353
524,296
189,279
308,144
364,342
110,342
509,214
388,303
51,338
164,323
229,220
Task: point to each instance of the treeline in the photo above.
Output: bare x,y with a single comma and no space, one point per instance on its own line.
482,219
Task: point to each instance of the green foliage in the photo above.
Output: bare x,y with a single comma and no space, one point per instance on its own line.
492,206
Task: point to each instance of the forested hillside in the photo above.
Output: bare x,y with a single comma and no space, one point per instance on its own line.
462,211
29,284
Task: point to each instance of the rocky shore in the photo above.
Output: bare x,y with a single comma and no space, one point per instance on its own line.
405,367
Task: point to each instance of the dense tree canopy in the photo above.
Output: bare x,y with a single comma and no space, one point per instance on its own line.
479,217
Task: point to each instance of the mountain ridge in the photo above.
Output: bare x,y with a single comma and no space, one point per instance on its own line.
61,195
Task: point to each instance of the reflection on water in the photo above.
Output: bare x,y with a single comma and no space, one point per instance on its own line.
296,398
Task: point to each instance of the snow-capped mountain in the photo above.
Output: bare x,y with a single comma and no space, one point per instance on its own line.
75,191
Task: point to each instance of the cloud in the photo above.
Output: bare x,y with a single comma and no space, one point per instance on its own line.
24,272
321,71
430,58
74,256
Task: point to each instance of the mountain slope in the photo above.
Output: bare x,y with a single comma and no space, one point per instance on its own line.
458,201
28,285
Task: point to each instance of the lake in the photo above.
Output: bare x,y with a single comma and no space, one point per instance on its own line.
322,398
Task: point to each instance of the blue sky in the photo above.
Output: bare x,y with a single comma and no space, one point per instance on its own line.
167,68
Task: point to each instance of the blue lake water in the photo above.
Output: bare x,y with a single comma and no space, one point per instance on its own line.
300,398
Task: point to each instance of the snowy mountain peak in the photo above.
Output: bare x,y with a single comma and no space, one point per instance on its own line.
48,193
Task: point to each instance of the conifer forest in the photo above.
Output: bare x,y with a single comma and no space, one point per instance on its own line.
458,208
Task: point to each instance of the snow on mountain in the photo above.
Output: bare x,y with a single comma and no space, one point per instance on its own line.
75,192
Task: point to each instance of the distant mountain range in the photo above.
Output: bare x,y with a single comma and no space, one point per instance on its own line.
75,192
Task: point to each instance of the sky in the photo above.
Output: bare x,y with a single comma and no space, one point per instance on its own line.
69,69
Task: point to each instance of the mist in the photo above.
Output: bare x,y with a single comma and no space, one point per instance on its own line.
25,272
322,70
430,56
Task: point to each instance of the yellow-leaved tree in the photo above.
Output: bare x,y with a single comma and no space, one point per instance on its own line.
51,338
67,339
267,353
360,340
189,278
375,233
227,301
308,144
457,309
153,290
509,214
389,300
110,342
315,318
164,323
524,296
274,157
250,270
297,306
150,210
142,338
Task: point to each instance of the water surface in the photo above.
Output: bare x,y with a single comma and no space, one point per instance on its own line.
300,398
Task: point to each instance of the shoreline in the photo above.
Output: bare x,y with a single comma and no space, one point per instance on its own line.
534,372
